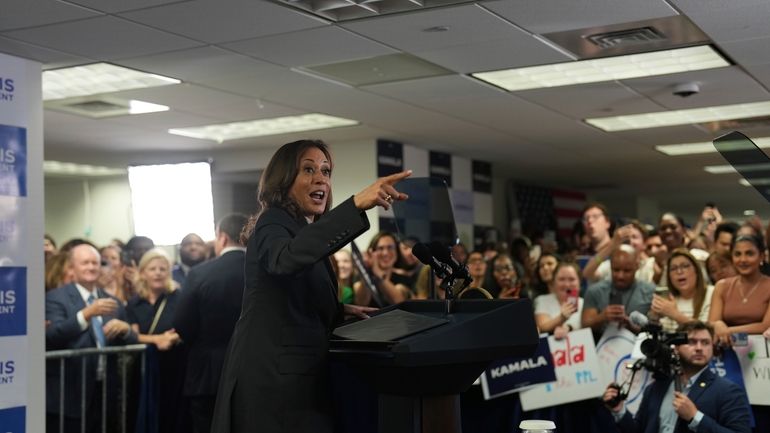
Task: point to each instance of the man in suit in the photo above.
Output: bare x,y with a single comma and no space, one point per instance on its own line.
707,403
80,315
205,318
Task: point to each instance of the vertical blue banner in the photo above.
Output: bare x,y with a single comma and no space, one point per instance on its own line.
13,301
12,420
13,161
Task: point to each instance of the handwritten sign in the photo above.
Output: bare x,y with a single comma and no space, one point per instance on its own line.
578,376
616,351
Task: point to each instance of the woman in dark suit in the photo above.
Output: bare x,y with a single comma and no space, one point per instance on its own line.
275,377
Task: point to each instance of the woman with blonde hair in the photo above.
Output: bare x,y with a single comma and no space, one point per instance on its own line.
150,313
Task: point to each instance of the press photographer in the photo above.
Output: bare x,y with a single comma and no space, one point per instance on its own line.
706,402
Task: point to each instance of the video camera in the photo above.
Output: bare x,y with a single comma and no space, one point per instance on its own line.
659,358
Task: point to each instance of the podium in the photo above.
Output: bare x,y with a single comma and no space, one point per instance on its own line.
419,358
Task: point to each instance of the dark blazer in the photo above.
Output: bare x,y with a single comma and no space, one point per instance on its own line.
724,405
209,306
275,377
61,308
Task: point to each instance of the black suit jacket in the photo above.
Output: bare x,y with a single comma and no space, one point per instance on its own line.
275,377
208,308
724,405
61,308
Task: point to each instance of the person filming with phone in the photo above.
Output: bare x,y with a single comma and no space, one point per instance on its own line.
696,400
614,300
559,311
687,296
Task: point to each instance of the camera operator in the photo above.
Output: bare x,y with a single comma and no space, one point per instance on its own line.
706,403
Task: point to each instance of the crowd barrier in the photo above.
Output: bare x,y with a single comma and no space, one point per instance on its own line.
123,355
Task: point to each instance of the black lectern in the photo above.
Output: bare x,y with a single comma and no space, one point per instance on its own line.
419,358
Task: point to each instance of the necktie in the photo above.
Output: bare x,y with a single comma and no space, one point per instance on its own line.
96,326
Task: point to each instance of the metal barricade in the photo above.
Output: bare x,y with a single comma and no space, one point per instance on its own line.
122,353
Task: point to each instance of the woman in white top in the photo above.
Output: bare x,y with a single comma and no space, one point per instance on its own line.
559,311
689,297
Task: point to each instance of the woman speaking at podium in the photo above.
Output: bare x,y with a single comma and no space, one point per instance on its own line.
275,376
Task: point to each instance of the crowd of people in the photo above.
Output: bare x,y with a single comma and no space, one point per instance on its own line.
715,272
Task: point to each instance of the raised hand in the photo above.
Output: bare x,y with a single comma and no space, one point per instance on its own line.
381,192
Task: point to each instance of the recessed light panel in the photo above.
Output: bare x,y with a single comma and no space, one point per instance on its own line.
59,168
680,117
258,128
701,147
606,69
97,78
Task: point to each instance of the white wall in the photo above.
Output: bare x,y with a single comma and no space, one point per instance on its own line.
98,209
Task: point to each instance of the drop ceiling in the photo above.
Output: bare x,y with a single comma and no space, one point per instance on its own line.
250,59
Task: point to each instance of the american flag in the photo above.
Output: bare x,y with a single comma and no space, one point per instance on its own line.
543,209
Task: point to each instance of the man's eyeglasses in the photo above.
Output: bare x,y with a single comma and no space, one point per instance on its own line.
505,268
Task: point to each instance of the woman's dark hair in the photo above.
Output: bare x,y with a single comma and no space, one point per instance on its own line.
277,179
699,298
539,286
755,240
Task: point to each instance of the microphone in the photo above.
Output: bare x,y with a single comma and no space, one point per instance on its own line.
638,319
442,254
424,255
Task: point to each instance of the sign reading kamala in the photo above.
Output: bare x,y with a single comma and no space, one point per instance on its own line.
577,373
510,375
13,161
13,301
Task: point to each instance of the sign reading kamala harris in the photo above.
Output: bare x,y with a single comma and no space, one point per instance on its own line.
578,376
13,161
13,301
510,375
390,157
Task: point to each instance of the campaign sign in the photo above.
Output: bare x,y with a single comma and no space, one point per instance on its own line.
616,353
510,375
754,360
13,301
13,373
13,161
12,420
577,373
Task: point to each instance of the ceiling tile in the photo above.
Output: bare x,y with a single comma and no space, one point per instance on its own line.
112,6
668,135
18,14
311,47
558,15
196,64
748,51
50,58
591,100
87,38
761,73
215,21
721,86
726,20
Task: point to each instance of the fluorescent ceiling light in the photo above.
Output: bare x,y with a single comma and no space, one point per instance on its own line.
97,78
97,107
762,181
681,117
606,69
702,147
72,169
258,128
743,168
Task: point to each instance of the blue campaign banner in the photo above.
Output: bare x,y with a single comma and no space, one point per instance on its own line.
13,161
510,375
13,301
12,420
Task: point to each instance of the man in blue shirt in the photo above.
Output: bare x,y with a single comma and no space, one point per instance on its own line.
707,402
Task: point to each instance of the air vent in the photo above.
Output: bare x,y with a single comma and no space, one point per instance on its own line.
643,35
97,106
346,10
630,38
